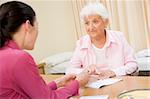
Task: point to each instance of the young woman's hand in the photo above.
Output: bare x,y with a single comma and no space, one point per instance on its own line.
83,77
64,80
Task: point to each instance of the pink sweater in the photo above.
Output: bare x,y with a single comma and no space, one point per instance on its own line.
19,78
119,55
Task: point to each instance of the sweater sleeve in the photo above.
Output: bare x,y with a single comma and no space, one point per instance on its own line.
26,77
130,64
52,85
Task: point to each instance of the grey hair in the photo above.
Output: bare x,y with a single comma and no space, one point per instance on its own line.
92,9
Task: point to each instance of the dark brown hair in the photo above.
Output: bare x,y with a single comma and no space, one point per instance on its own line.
12,15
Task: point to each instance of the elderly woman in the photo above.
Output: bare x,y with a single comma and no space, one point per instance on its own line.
105,53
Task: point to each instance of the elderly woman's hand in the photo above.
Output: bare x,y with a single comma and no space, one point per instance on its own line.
92,69
100,72
103,74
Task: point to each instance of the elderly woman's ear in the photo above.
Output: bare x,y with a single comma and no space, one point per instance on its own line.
106,22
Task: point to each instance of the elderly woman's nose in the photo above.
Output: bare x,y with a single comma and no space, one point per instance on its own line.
91,25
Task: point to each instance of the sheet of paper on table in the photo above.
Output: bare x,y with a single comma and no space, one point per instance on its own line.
101,83
95,97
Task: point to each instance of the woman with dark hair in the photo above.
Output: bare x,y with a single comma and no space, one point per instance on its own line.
19,77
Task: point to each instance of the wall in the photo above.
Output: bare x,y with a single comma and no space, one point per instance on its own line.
56,28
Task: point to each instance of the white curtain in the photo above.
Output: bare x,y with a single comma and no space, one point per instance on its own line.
132,17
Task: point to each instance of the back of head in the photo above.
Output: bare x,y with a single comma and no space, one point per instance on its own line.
12,15
92,9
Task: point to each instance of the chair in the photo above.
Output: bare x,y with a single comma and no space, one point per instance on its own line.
41,68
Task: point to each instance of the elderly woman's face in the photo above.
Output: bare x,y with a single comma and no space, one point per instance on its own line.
94,25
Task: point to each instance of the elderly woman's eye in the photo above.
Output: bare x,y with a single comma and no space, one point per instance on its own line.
86,23
95,21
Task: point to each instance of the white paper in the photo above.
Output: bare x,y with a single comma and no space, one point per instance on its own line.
100,83
95,97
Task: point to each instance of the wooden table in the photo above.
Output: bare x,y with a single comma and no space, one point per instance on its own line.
128,83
